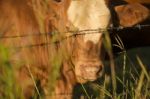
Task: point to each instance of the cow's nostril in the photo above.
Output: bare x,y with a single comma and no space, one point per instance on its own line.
100,70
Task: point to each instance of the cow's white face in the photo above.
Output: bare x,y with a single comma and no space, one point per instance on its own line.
88,14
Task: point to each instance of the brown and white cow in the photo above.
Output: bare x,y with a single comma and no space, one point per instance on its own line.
24,17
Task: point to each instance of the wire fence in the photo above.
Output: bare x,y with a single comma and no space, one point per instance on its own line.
69,34
82,32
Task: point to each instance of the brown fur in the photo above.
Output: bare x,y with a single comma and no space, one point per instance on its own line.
131,14
18,17
138,1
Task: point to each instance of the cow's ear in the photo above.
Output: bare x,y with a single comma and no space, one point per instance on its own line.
131,14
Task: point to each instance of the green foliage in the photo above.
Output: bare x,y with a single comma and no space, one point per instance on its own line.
8,86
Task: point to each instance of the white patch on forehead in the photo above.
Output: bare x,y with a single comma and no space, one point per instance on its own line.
89,14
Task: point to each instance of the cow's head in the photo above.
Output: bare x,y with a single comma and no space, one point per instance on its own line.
88,51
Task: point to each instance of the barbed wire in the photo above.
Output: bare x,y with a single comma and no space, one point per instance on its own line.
69,34
80,32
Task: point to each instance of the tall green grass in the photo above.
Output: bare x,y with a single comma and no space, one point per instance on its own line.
9,89
131,76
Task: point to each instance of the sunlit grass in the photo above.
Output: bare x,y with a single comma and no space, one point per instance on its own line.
9,89
132,78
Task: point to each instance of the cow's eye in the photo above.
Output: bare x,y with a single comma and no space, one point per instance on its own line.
57,0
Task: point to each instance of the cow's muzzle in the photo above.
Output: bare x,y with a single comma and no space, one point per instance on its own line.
88,71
